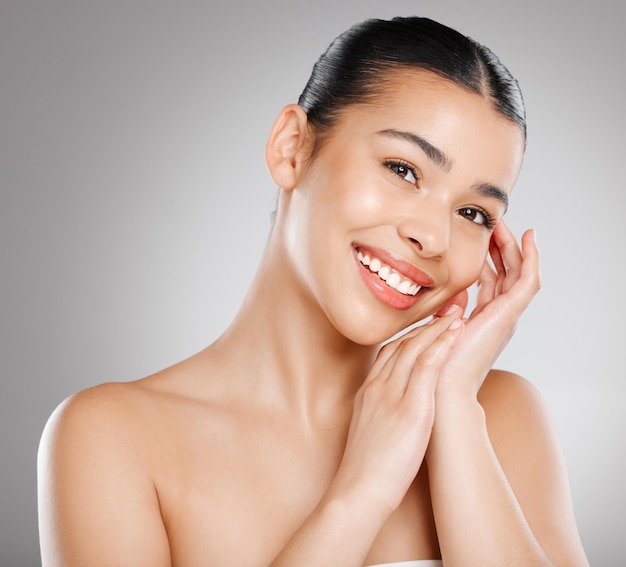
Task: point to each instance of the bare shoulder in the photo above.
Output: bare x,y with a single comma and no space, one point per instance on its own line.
97,418
95,466
123,421
511,401
115,459
520,427
91,405
123,412
502,386
528,448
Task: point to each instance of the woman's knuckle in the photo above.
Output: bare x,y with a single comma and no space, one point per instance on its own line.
371,391
425,362
537,284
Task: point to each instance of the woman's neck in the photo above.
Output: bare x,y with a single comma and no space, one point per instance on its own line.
282,347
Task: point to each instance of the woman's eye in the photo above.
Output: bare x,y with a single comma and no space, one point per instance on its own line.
477,216
404,171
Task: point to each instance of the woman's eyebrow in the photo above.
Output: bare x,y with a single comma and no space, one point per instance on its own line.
488,190
438,157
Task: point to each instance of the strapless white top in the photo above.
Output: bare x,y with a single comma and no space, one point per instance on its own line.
417,563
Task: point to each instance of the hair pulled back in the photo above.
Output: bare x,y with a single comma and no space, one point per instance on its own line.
353,68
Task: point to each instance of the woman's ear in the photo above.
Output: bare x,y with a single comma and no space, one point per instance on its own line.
285,151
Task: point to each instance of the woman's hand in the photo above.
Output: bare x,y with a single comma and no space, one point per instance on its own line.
503,294
496,477
393,414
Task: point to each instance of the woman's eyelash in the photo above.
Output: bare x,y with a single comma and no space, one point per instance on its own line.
403,170
478,216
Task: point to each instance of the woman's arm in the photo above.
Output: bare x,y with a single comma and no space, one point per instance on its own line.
97,505
498,483
388,435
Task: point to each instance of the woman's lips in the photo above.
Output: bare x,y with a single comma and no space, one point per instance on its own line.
397,263
390,278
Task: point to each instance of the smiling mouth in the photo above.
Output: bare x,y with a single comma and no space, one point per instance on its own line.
391,277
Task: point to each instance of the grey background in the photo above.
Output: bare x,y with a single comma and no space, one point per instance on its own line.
135,204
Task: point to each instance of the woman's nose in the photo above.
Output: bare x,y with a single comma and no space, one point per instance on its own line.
428,229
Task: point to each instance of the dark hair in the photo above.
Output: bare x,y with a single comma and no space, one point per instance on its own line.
352,70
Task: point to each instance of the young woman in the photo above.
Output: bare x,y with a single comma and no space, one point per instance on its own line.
295,439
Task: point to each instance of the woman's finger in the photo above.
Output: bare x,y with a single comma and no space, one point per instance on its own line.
518,290
531,267
389,350
396,359
487,287
425,371
496,258
461,299
419,350
504,245
528,282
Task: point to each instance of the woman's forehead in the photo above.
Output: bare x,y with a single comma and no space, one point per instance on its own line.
464,128
418,98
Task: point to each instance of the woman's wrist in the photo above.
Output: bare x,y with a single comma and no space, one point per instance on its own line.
356,502
459,417
452,397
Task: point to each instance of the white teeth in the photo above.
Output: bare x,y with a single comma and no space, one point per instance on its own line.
405,287
385,273
393,280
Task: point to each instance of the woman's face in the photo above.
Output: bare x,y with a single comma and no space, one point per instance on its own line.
407,190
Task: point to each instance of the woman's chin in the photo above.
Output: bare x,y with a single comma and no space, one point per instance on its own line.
368,334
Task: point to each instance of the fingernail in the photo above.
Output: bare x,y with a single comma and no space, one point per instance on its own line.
456,323
452,309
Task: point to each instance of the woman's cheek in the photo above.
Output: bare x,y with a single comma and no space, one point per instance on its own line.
468,271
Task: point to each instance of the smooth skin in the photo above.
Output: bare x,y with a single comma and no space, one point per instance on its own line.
295,439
